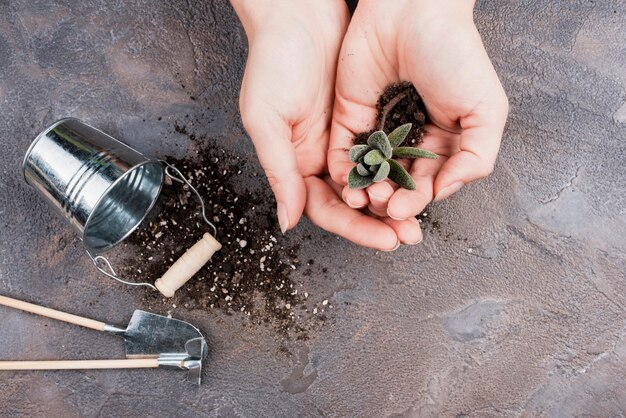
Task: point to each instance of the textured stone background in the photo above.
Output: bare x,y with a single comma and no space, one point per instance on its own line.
514,305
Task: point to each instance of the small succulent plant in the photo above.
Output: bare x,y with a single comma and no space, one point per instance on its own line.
376,160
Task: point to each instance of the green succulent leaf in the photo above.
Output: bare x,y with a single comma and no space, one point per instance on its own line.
374,157
399,134
374,168
378,140
383,172
362,170
398,174
357,152
357,181
410,152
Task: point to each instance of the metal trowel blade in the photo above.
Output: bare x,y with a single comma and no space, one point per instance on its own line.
150,335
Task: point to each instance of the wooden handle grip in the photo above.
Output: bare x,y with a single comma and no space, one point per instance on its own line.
80,364
51,313
187,265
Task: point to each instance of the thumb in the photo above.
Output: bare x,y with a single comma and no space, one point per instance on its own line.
476,159
272,140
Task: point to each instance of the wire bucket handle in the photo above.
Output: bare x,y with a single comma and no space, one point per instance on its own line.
104,265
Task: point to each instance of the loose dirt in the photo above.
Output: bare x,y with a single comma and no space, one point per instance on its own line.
399,104
252,273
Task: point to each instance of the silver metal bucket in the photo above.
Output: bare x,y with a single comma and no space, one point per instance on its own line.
101,186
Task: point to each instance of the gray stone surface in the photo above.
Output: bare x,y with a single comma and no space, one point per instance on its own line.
513,306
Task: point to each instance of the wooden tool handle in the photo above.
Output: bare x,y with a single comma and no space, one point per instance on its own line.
187,265
146,363
51,313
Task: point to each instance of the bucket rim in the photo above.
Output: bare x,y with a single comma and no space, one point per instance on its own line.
108,190
38,138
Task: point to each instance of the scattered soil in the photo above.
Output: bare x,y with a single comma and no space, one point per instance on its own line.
251,274
399,104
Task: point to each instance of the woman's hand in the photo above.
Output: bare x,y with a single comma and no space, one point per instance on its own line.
287,91
435,46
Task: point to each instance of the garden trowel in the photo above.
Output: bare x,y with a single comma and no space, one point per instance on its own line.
151,341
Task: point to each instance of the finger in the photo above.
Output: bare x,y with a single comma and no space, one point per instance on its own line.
356,199
327,210
408,231
480,143
405,203
361,77
272,141
379,195
380,213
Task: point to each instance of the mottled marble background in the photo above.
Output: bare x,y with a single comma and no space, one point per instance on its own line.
513,305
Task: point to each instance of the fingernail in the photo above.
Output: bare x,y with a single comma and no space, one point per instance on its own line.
283,218
352,205
414,220
416,242
376,198
394,248
394,217
344,179
447,191
397,218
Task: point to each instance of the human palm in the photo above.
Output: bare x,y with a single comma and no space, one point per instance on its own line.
435,46
287,93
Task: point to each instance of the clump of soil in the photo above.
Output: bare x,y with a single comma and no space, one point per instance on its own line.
399,103
251,274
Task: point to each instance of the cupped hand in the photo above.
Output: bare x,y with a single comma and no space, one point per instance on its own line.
286,104
435,46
